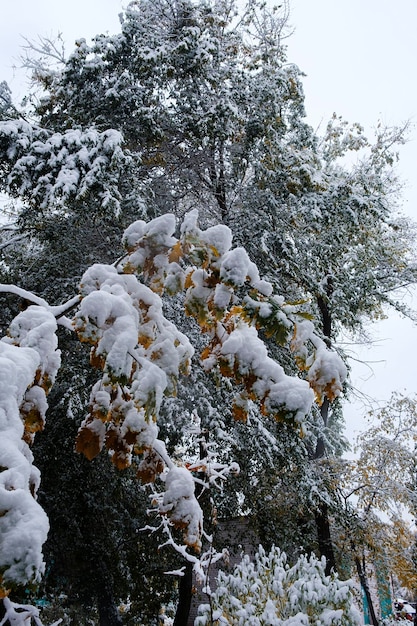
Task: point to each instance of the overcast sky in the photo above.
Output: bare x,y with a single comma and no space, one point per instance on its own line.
359,57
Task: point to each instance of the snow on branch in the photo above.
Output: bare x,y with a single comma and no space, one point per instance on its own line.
326,370
58,311
214,274
21,614
49,169
29,360
142,357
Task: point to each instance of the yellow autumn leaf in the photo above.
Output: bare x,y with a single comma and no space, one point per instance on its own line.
176,253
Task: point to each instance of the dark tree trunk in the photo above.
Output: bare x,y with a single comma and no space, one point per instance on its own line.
106,605
218,181
185,591
220,192
184,597
107,610
360,567
320,445
324,537
322,514
326,317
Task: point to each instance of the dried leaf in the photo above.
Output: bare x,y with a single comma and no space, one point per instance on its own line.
88,443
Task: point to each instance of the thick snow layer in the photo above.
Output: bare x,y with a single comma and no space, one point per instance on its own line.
23,523
113,318
249,355
68,164
218,237
160,230
268,592
29,353
236,267
326,370
181,506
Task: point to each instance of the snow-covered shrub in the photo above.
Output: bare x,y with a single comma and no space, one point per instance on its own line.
268,592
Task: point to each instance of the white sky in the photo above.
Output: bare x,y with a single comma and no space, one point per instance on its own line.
360,60
359,57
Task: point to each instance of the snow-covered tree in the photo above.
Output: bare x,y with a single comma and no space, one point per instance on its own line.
142,355
337,242
269,592
382,483
190,86
194,105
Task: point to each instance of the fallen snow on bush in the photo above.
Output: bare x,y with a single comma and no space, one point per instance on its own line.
268,592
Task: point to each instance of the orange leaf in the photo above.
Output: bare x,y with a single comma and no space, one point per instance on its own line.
150,467
189,280
121,460
176,253
145,341
206,353
97,360
240,414
33,420
119,446
88,443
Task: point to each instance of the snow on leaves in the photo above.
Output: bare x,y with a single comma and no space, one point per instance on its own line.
35,328
179,503
142,355
28,363
326,372
267,592
50,169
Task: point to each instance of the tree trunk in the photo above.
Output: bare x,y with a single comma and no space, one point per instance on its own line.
106,605
324,537
326,317
218,181
186,582
364,583
184,597
322,514
107,610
